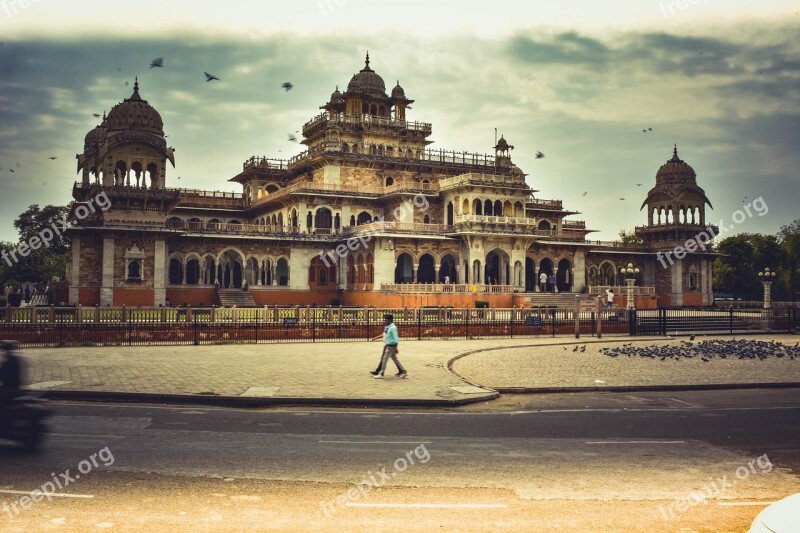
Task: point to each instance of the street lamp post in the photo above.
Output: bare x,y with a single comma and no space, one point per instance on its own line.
629,273
766,278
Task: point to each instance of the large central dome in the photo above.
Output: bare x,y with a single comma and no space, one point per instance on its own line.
135,113
367,82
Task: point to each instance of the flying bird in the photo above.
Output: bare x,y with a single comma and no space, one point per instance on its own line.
638,184
585,193
622,198
157,62
210,77
287,85
52,157
292,138
11,169
539,155
96,115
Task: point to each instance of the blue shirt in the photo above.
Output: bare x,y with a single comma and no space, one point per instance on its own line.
390,334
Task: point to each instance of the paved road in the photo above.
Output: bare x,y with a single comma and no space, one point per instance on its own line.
577,462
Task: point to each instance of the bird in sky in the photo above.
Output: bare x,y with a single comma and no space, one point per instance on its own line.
539,155
292,138
157,63
11,169
585,193
287,85
52,157
638,184
96,115
622,198
210,77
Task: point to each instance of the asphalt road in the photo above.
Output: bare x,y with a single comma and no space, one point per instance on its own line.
577,462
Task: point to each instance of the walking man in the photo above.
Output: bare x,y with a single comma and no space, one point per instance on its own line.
390,340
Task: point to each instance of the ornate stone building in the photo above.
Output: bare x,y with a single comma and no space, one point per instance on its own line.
367,215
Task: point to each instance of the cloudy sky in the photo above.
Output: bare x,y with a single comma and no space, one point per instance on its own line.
578,81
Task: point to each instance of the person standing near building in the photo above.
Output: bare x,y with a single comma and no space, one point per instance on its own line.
552,281
610,295
543,282
390,341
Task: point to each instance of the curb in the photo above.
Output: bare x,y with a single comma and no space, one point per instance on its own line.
648,388
238,401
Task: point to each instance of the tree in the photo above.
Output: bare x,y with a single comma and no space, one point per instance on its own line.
49,259
734,271
629,238
789,241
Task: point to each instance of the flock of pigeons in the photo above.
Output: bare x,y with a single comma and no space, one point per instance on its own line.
159,63
708,349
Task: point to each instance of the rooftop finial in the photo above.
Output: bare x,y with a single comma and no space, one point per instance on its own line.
675,151
136,85
367,60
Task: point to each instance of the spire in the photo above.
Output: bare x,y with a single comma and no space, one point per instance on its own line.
367,60
675,153
135,95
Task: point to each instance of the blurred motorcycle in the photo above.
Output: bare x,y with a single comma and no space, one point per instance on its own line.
23,420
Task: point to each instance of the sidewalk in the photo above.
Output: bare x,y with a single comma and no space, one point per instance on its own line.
441,373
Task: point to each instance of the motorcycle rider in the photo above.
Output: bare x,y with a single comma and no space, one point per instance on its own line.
10,373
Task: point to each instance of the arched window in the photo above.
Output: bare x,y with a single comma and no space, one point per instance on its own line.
389,181
487,208
427,219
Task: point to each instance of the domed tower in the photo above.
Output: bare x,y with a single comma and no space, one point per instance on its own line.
502,151
401,103
675,206
128,149
366,94
677,231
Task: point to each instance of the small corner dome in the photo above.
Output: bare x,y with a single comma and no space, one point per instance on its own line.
398,91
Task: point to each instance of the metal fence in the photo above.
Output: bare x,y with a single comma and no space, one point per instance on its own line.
195,326
670,321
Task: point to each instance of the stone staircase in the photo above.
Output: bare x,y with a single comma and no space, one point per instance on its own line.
561,300
237,297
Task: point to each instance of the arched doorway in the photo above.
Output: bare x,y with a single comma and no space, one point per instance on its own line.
404,271
564,276
450,214
323,220
498,268
282,272
426,272
530,275
230,270
175,272
448,269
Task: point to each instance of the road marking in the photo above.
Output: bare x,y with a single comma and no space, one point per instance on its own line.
49,494
432,505
80,435
743,504
372,442
46,384
635,442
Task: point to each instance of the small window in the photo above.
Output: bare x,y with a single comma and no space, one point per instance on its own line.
135,270
389,181
427,219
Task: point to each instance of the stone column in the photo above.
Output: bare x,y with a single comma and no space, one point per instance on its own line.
677,283
75,280
159,273
414,275
107,287
579,271
437,269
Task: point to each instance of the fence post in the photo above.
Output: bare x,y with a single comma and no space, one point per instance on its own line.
8,314
730,319
662,321
97,313
195,332
33,315
79,314
367,312
599,317
512,323
419,324
632,322
51,314
466,322
313,324
577,316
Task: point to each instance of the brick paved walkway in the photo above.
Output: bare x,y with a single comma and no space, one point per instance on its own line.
341,370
